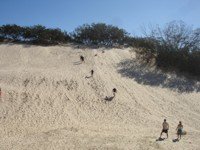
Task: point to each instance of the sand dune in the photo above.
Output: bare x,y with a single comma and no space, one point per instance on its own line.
47,103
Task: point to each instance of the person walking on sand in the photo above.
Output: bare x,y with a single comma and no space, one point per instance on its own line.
165,128
179,130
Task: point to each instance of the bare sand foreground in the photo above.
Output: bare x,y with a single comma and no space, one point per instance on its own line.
47,103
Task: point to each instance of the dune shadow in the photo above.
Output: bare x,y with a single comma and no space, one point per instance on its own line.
145,75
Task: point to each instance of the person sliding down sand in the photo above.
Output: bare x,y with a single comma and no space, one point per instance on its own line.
165,128
179,130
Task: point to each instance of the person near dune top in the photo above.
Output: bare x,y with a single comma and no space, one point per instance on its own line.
179,130
82,58
165,128
114,91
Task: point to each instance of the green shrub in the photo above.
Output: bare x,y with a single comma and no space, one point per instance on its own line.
37,34
99,34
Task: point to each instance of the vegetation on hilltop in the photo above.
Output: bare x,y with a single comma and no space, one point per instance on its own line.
100,34
37,34
176,47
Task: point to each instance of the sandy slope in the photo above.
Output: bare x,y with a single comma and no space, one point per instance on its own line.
47,103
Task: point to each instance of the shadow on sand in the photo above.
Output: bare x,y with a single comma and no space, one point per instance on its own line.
160,139
109,98
87,77
175,140
142,74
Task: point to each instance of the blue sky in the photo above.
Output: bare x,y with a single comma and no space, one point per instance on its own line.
127,14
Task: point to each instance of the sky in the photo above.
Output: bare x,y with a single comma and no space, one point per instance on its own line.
130,15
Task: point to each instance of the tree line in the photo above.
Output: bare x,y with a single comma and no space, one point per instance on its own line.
95,34
37,34
176,47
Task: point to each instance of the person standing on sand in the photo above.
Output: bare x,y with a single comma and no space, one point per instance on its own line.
179,130
165,128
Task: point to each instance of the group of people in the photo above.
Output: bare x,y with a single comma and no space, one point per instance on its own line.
165,129
82,59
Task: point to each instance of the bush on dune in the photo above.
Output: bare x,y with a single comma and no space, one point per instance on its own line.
99,34
174,48
37,34
13,32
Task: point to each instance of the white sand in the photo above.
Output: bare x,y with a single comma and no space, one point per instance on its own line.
47,103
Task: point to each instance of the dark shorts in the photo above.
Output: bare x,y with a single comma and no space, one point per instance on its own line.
179,132
165,131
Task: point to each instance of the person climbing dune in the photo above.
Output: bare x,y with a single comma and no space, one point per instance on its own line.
114,91
92,72
82,58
